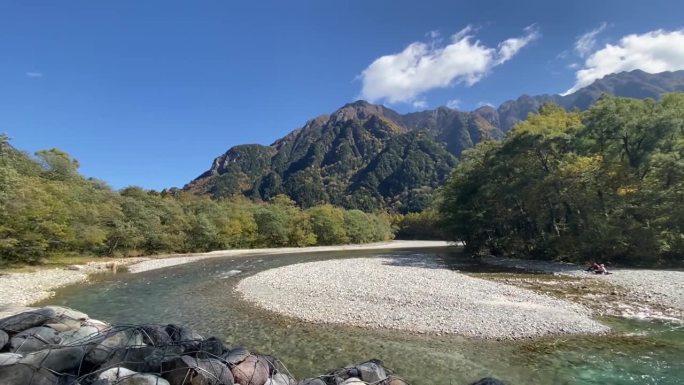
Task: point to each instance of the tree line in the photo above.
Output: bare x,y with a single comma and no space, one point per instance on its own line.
47,208
606,184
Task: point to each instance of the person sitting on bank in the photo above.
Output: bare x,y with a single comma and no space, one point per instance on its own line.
594,267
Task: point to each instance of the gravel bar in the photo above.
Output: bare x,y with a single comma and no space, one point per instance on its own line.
662,287
414,295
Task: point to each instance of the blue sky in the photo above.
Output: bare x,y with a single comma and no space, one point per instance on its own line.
147,93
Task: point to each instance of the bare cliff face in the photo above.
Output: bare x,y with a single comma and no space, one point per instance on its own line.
370,157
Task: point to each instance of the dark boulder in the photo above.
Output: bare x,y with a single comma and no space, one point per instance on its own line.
155,335
26,320
106,344
212,347
185,337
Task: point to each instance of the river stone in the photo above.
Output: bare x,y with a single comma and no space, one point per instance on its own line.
9,358
4,339
252,371
19,374
272,363
123,338
372,371
235,356
80,336
60,359
26,320
34,339
281,379
64,313
64,326
488,381
188,370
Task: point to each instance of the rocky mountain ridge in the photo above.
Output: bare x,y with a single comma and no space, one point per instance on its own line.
371,157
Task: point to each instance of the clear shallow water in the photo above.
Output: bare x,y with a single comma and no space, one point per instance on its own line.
201,295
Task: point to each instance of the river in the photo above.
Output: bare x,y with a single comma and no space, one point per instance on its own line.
200,295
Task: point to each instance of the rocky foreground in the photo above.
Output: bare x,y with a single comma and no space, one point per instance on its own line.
59,346
414,295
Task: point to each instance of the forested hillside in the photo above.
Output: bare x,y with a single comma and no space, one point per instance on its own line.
48,209
369,157
603,184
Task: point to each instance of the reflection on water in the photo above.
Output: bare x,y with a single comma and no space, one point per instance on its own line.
201,295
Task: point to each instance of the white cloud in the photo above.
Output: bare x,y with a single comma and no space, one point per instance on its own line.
34,74
453,103
483,104
419,104
586,43
653,52
403,77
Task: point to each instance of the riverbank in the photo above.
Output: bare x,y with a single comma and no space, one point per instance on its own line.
413,295
637,293
25,288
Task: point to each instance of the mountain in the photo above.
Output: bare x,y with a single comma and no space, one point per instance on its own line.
634,84
370,157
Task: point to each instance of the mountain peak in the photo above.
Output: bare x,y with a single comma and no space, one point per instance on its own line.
362,110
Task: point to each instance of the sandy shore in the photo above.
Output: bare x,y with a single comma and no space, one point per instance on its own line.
27,288
414,295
